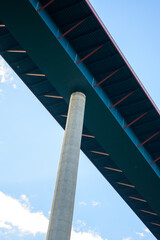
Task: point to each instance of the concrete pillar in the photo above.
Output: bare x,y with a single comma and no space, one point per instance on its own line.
63,202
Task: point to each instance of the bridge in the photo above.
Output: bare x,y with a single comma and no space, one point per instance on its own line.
61,47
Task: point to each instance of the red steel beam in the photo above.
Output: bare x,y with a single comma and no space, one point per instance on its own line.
101,153
86,135
125,184
106,78
121,100
149,139
46,5
113,169
135,120
155,161
156,224
138,199
95,50
152,213
76,25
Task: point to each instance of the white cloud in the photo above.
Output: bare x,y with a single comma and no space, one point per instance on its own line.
25,201
4,225
82,203
5,73
17,218
140,234
147,230
94,203
17,215
79,226
80,232
81,223
128,238
24,198
85,235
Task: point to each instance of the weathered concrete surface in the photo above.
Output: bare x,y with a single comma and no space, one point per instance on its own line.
63,203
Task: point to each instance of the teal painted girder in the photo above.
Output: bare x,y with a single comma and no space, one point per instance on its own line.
51,58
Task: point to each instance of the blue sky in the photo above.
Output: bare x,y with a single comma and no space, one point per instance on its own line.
30,142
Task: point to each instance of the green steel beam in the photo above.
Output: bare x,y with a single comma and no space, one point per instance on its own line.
28,28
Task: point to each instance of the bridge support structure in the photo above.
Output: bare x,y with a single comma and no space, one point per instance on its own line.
60,223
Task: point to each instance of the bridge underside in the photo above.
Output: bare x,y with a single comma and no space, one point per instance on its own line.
49,68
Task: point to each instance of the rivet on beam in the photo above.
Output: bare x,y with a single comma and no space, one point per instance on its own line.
46,5
135,120
148,139
88,55
110,75
121,100
76,25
